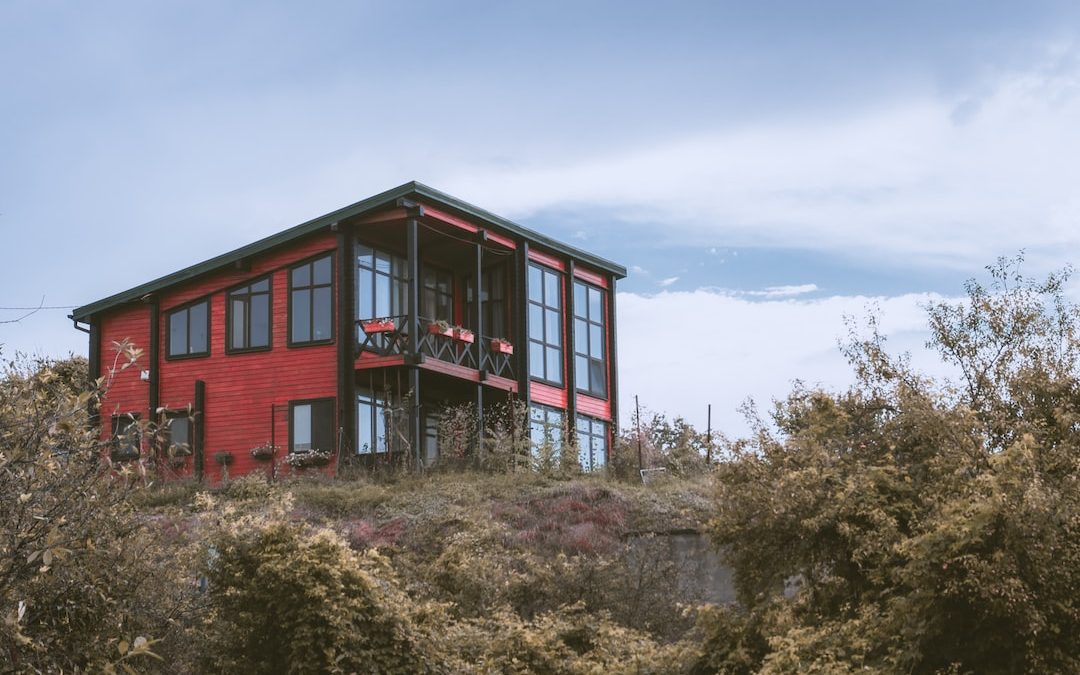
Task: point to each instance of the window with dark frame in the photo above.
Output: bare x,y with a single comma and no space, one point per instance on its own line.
311,425
437,295
546,429
590,371
189,330
371,423
592,442
545,325
382,284
492,302
248,317
176,439
126,437
311,302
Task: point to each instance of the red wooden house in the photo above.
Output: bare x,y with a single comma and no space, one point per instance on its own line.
352,332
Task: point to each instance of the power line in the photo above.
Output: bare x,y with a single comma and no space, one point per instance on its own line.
42,307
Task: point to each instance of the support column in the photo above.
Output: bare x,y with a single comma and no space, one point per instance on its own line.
94,407
521,310
346,342
482,342
569,353
198,430
155,357
412,236
613,362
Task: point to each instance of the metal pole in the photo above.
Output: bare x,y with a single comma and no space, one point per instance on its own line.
637,421
708,437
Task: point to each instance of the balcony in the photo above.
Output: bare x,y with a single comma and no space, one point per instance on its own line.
389,337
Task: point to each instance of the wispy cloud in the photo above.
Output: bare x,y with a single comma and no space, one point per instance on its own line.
782,291
669,281
950,181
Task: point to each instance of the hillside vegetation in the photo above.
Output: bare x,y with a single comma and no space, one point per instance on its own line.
918,526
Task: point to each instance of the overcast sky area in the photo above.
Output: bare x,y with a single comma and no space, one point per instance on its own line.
762,169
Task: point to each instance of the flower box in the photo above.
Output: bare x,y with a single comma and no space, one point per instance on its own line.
464,335
264,451
440,328
302,460
500,346
378,326
223,458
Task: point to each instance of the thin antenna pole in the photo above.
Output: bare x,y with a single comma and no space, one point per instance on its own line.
637,421
708,437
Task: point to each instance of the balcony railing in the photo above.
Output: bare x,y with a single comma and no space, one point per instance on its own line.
389,336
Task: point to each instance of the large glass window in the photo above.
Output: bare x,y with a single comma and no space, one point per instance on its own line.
311,425
592,442
381,284
590,373
546,432
372,423
189,330
311,299
248,316
492,303
437,295
545,324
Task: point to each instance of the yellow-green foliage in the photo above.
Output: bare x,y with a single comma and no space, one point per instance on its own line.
285,601
84,582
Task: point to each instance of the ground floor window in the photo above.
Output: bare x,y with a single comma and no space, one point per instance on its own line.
126,437
592,442
546,434
432,419
311,426
372,422
177,434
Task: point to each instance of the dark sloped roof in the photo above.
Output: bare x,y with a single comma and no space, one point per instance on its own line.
381,200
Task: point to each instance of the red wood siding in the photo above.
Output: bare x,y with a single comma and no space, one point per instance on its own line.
592,277
547,394
545,259
594,407
242,388
127,392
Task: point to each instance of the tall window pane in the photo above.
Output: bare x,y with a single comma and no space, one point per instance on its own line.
311,293
189,330
545,324
249,316
590,370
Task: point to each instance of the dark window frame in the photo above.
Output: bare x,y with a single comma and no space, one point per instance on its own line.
560,442
247,298
327,400
544,344
166,434
120,423
372,273
376,410
492,306
436,271
589,435
601,393
291,342
187,307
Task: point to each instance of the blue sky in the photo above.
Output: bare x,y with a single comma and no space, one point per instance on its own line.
762,168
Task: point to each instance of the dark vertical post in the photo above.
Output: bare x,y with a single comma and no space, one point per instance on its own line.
346,342
637,422
482,344
521,308
155,358
94,369
199,429
568,348
708,436
412,235
613,362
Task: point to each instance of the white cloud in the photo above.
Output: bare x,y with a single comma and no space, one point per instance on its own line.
721,349
782,291
669,281
929,181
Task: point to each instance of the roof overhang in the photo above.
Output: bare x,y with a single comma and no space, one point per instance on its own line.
411,190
